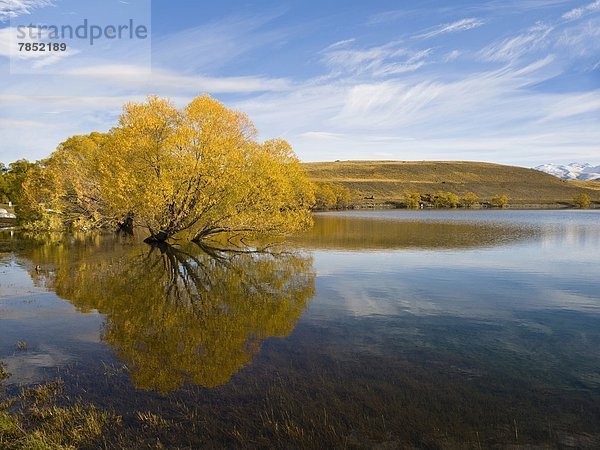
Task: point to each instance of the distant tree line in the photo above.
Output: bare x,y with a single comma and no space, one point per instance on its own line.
440,199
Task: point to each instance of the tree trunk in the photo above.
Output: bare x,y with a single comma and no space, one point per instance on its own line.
126,226
156,238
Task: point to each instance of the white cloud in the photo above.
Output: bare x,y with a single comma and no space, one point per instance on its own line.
577,13
513,6
577,42
573,14
26,124
321,135
127,76
495,7
575,105
413,62
77,115
389,16
460,25
211,46
581,41
394,99
488,115
380,61
14,8
511,49
451,56
338,44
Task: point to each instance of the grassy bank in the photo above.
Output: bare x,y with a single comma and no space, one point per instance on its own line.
595,185
379,183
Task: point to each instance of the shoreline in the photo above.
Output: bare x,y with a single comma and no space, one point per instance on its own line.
524,207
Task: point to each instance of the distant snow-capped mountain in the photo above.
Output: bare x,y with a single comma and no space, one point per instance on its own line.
573,171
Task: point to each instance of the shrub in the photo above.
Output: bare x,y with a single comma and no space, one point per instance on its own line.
500,201
582,201
469,200
342,196
412,200
331,196
445,200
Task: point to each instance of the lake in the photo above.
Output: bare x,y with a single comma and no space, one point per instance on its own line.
428,329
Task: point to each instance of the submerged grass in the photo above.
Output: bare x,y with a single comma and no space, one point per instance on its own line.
407,400
44,418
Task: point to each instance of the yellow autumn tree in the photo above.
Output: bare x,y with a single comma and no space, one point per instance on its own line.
201,171
412,200
582,201
445,200
192,172
469,200
500,201
331,196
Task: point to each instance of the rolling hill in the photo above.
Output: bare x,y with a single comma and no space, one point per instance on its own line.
386,181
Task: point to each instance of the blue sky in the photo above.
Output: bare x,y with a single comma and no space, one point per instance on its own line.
514,82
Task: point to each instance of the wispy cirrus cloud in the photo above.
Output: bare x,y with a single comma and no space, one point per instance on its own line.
339,44
459,25
405,103
452,55
515,97
577,13
513,48
509,7
491,112
390,16
576,43
217,43
495,7
581,42
343,58
14,8
129,76
321,135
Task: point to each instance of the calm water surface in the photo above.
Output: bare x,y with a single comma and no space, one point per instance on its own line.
428,329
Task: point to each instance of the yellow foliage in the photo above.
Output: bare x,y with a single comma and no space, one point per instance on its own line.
469,200
412,200
500,201
181,314
445,200
582,201
195,172
331,196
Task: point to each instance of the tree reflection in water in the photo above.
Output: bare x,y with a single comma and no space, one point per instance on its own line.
179,314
